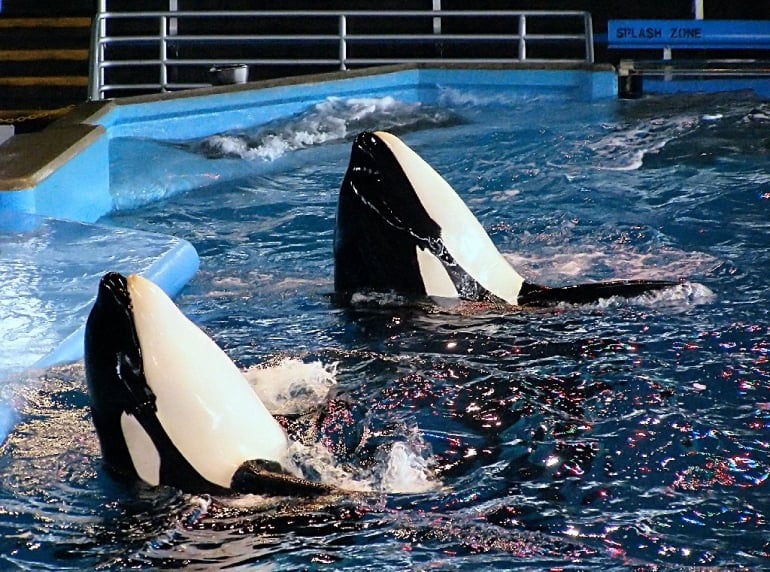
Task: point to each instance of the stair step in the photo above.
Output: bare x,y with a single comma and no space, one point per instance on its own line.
43,68
36,55
48,38
45,22
36,97
49,81
21,115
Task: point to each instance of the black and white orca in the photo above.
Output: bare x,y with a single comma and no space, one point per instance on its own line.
169,406
402,228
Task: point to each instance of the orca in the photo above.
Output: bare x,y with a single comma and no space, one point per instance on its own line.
170,407
402,228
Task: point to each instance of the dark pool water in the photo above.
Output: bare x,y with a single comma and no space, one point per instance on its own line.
627,435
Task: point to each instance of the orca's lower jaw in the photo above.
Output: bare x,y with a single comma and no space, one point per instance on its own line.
260,477
542,296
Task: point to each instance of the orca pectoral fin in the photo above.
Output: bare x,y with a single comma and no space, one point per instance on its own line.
261,477
533,295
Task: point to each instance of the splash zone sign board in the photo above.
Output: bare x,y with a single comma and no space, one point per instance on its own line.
694,34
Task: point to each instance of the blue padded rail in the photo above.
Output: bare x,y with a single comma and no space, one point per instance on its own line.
688,34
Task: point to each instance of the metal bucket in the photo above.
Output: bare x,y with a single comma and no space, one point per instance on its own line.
229,74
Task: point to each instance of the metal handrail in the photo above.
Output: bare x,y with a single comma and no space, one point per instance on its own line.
168,38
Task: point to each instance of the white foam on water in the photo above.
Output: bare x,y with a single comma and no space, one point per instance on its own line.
228,145
292,386
758,113
680,296
375,299
558,267
317,459
453,97
406,468
331,120
594,264
407,471
626,145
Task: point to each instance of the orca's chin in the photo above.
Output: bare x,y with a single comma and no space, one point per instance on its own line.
402,228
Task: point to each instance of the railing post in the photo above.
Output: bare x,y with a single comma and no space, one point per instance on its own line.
697,9
96,55
343,29
437,19
589,31
94,60
522,37
163,50
173,23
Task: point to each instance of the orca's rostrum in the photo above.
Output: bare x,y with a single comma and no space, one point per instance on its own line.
402,228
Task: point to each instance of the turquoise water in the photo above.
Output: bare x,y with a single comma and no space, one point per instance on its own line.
627,435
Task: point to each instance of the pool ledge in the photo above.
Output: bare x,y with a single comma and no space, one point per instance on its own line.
62,171
28,159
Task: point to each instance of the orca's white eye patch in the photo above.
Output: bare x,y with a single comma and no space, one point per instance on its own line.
144,454
435,278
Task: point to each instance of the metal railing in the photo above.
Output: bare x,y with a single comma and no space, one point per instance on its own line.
141,52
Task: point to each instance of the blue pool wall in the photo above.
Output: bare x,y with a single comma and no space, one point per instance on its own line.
207,113
75,188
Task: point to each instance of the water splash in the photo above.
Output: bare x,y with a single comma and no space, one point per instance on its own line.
331,120
183,165
680,296
626,145
474,98
292,386
407,471
542,260
403,468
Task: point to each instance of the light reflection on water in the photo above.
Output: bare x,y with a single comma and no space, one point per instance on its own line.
624,435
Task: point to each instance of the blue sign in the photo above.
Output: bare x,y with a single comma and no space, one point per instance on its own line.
725,34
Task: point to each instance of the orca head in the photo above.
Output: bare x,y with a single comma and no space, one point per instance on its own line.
168,405
401,227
